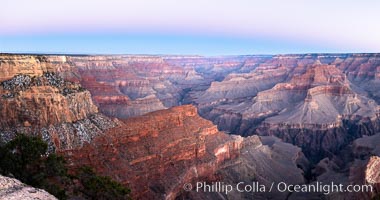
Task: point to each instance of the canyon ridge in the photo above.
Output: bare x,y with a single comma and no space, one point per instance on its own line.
158,122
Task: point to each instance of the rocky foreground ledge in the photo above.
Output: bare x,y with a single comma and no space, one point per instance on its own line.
13,189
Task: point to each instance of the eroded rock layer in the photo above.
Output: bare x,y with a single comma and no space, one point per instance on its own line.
157,153
321,103
39,96
318,102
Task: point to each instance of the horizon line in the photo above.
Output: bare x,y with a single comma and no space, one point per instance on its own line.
192,55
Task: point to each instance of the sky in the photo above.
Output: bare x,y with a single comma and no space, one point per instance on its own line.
196,27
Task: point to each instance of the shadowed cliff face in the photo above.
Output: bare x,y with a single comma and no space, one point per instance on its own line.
318,102
357,163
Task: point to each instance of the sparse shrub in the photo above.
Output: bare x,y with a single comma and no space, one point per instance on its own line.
100,187
26,159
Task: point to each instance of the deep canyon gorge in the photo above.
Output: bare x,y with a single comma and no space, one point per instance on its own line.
157,122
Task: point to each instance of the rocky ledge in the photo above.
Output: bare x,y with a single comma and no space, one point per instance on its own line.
13,189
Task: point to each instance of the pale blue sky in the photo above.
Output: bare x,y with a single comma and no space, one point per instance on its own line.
212,27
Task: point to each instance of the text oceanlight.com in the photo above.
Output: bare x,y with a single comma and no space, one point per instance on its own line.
255,187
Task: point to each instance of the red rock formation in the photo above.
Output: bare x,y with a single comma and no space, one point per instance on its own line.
135,84
43,106
157,153
320,102
171,142
38,101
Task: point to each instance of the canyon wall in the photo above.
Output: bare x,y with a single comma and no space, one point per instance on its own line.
320,102
40,96
157,153
119,114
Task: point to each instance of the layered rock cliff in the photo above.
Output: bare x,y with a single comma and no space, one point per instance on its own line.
318,102
40,97
157,153
126,86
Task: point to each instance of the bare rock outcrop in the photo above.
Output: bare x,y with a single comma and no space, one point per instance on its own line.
372,174
43,99
316,106
13,189
157,153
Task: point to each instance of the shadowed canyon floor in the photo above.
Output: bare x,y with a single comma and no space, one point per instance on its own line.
296,118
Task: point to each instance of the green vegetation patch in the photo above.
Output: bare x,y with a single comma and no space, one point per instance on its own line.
25,158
